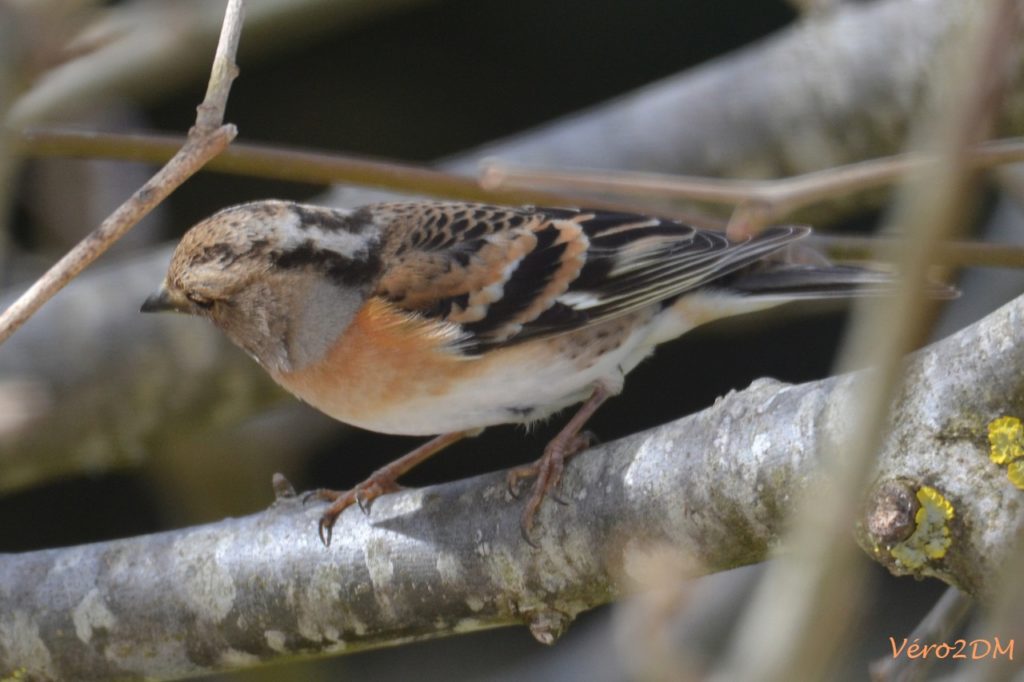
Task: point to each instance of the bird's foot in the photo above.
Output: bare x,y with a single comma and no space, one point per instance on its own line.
379,483
547,474
382,481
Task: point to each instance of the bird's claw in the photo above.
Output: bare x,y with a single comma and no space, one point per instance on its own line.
363,501
361,495
325,528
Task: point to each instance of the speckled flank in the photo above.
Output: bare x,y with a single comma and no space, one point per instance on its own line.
586,347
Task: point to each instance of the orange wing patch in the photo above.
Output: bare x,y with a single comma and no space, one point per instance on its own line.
489,269
570,262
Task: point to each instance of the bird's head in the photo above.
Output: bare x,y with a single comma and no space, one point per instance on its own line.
282,280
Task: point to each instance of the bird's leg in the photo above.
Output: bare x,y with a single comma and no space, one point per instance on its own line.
381,481
548,469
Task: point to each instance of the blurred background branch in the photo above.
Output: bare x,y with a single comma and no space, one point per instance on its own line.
145,49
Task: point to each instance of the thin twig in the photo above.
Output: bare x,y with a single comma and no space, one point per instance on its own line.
210,114
758,202
954,254
297,165
207,138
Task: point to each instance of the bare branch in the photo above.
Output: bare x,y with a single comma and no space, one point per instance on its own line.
758,202
210,114
954,253
716,486
207,139
191,157
299,165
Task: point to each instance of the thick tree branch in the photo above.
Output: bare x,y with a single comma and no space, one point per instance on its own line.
715,486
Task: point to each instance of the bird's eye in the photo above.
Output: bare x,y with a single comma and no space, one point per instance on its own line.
199,300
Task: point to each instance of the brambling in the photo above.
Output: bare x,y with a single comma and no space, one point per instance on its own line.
428,318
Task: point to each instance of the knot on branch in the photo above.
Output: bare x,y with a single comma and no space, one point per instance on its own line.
906,526
548,625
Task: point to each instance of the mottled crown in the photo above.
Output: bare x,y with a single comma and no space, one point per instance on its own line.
263,236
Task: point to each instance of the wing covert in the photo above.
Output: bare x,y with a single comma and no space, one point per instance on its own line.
505,275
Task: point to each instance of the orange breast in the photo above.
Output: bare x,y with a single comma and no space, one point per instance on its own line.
384,360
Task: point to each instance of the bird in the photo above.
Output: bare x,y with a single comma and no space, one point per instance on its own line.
435,318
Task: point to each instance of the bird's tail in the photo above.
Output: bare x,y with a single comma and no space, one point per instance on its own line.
822,281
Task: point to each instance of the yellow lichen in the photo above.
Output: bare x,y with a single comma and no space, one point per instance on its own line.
1015,472
932,501
1006,440
16,676
931,538
1006,446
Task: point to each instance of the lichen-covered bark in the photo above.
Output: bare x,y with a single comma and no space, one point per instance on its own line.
716,486
939,440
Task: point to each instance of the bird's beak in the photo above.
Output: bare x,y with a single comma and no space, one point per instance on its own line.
160,301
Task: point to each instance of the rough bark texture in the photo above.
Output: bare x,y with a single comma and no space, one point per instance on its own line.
716,486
